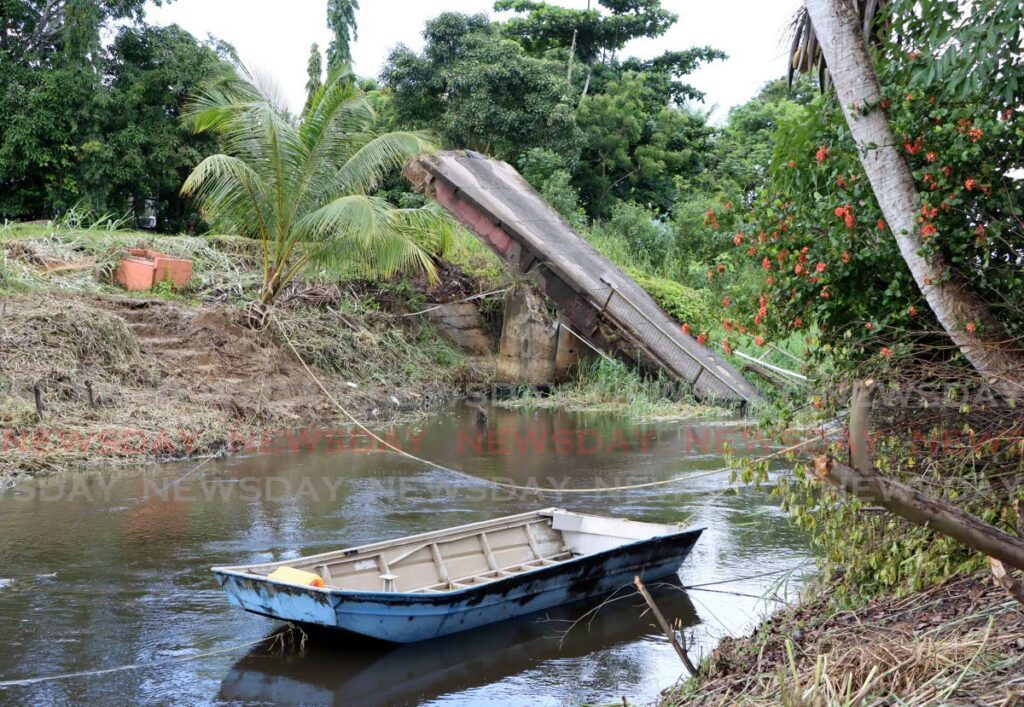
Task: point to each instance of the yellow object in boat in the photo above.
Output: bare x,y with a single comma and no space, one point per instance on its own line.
294,576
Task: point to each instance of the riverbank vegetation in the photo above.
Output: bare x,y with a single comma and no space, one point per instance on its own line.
610,386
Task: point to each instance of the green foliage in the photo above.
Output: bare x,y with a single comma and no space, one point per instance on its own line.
684,304
547,173
647,238
314,74
506,89
881,553
744,147
481,91
817,248
341,20
544,27
303,189
147,151
636,148
611,386
40,30
93,123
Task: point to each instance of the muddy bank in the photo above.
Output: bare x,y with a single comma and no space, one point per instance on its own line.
961,642
136,379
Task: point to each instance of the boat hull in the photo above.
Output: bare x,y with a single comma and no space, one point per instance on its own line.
409,617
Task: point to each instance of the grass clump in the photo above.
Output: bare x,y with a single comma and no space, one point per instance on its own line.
611,386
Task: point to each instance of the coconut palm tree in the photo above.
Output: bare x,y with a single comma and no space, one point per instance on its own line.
831,37
304,186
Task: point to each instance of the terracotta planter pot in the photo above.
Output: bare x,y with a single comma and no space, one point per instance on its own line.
143,269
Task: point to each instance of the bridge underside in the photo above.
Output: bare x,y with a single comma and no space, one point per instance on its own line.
602,304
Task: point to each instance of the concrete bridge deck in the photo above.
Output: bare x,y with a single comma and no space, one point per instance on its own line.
601,303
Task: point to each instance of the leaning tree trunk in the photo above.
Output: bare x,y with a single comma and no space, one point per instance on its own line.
952,299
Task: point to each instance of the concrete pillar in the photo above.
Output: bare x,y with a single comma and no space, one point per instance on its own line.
567,353
528,342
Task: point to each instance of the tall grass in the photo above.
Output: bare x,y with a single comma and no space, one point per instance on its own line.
603,385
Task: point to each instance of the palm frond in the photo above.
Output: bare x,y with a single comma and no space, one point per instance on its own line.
227,187
363,170
368,231
305,185
805,55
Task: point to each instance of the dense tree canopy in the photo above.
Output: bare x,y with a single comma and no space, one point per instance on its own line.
617,127
540,26
41,28
481,91
94,124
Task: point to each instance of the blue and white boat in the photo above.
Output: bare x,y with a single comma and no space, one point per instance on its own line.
437,583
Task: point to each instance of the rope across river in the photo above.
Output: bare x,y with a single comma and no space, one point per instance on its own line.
514,487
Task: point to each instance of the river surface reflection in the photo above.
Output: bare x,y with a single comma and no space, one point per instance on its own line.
111,567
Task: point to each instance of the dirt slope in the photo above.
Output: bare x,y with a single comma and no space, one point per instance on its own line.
169,379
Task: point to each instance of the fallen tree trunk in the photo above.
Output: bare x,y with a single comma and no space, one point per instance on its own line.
922,510
864,481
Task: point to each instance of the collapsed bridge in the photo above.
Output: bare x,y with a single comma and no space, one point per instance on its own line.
603,304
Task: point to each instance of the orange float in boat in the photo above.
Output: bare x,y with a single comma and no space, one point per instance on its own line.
295,576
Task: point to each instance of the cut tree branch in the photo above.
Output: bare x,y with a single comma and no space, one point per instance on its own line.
865,482
669,633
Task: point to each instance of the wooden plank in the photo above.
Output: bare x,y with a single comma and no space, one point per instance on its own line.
487,551
442,570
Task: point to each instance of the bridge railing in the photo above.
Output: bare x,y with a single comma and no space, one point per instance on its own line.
647,334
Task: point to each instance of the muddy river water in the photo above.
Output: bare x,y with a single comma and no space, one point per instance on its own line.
110,567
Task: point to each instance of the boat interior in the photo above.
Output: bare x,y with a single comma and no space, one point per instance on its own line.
469,555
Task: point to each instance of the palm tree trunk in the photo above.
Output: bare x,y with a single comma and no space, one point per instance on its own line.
952,299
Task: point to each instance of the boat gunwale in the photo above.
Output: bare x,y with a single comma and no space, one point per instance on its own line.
432,597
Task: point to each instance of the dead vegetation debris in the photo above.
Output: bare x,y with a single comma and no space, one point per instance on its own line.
137,379
960,642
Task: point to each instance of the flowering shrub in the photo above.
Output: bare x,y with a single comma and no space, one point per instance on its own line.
824,256
818,241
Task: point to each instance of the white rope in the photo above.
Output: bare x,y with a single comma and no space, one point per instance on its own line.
445,304
124,668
